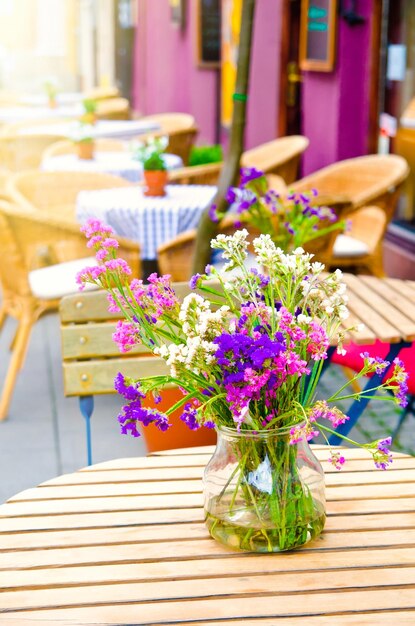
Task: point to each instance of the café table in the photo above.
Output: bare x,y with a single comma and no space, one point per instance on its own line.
12,114
117,129
380,309
117,163
62,98
124,542
151,221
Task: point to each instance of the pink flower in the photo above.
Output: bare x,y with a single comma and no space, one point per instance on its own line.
126,336
337,460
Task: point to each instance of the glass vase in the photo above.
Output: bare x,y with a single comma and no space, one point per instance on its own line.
262,493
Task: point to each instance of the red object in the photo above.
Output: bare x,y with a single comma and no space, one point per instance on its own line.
179,435
156,180
353,359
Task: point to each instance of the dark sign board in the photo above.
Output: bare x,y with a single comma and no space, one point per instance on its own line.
208,33
318,35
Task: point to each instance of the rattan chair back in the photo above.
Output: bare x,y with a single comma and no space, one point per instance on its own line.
181,130
101,93
29,240
196,175
372,179
280,156
56,192
364,181
23,152
113,109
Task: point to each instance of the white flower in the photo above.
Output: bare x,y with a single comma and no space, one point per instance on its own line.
317,267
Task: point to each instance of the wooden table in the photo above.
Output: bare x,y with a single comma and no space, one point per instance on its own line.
124,542
385,307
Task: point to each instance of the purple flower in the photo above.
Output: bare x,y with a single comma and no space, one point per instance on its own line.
263,279
248,174
213,215
189,417
195,281
382,455
231,195
133,414
127,388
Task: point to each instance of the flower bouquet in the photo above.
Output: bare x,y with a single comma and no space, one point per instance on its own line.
246,348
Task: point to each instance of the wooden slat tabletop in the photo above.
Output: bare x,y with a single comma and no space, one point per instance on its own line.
124,542
385,307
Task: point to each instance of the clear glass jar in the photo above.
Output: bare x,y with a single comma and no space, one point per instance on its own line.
262,493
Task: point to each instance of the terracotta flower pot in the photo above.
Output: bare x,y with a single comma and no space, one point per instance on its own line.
52,102
86,150
179,435
156,181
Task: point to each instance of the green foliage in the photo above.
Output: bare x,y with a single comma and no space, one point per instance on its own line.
50,89
202,155
154,162
90,105
149,153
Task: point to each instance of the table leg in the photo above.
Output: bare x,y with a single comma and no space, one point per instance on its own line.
358,406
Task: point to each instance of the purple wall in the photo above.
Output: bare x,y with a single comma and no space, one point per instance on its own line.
166,77
335,105
264,83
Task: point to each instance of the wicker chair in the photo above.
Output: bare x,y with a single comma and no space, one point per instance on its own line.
56,192
405,147
369,187
113,109
181,129
4,177
196,175
101,93
23,152
69,147
280,156
26,239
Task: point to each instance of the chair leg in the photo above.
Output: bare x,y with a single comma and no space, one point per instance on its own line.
86,404
375,265
16,361
3,316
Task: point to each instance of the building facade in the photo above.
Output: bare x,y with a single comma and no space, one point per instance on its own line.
341,109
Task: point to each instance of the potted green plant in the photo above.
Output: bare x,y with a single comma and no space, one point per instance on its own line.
203,155
154,166
90,111
51,92
83,138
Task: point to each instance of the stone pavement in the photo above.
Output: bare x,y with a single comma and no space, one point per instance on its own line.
44,434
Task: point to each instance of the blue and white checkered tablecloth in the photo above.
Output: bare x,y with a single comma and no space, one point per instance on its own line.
149,221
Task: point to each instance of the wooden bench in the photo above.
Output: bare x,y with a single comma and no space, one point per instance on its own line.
91,361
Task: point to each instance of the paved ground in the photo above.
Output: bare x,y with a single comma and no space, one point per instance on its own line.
44,435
